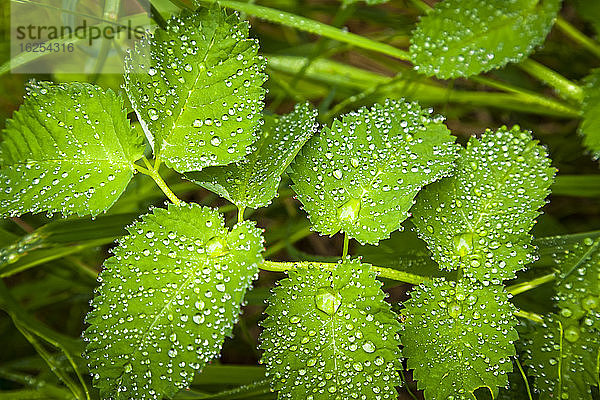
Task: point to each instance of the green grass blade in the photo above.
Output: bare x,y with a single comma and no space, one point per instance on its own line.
32,328
330,73
577,186
312,26
46,255
59,239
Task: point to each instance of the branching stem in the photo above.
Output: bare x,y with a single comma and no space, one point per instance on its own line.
152,172
381,272
401,276
345,248
240,216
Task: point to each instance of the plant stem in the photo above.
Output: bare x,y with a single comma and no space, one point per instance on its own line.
560,358
381,272
152,172
532,284
577,36
345,248
400,276
563,87
524,378
240,215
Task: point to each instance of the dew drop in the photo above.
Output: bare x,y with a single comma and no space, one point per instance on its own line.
368,347
328,300
349,210
572,334
153,114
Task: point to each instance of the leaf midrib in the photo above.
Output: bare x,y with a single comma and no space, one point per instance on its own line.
193,86
503,182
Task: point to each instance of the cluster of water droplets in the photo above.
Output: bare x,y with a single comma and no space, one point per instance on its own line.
578,288
361,175
253,181
458,336
196,88
479,220
24,245
330,335
561,358
63,152
167,299
563,353
466,37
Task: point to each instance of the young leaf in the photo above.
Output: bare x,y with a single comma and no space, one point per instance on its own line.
479,220
253,181
198,93
458,337
167,299
590,125
69,149
562,357
330,334
466,37
361,175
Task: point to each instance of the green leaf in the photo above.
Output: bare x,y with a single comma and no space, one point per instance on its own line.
458,337
563,353
167,299
196,89
69,149
330,334
361,175
479,220
466,37
562,356
578,282
253,181
590,125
